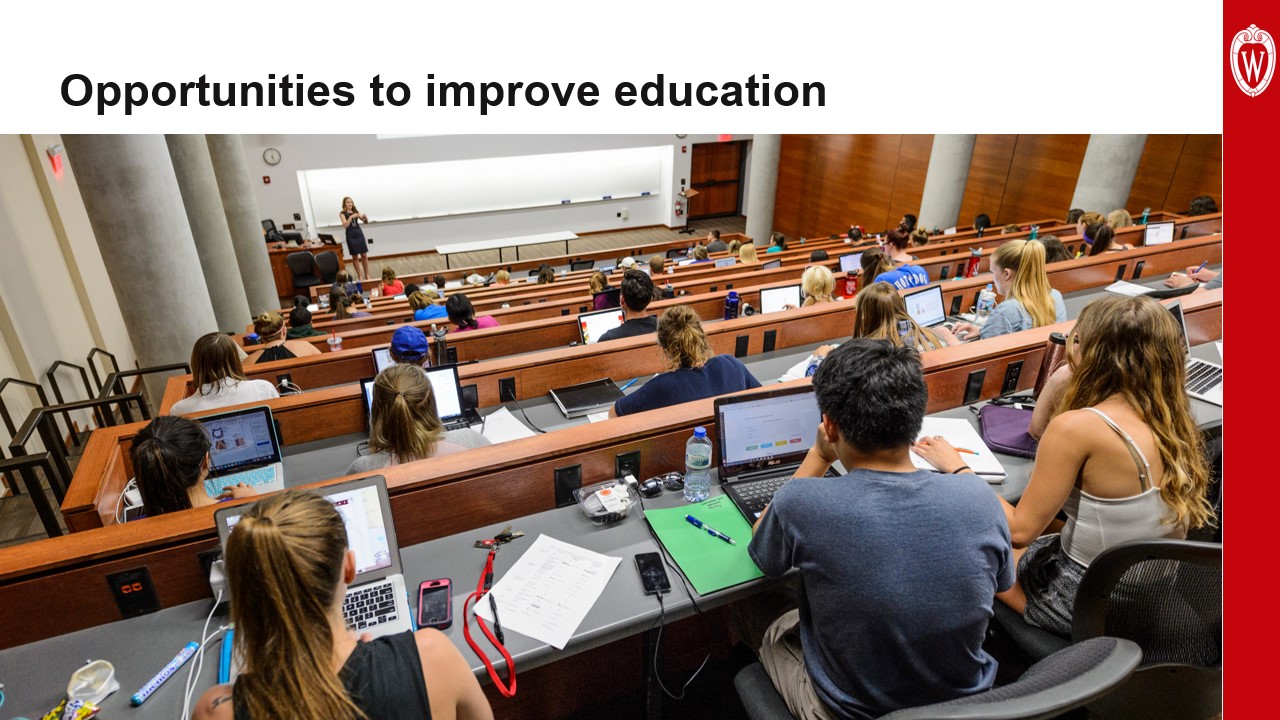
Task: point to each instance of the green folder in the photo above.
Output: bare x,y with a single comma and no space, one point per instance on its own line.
710,563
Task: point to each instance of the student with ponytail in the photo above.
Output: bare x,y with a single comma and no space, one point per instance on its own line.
219,378
272,331
170,462
694,373
877,266
1121,456
405,424
463,314
1102,239
1017,269
288,568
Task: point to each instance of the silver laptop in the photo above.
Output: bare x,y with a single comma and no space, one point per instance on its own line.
925,306
1160,233
776,299
243,448
594,325
1204,378
851,263
376,601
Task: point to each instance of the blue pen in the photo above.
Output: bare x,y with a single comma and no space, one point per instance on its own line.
709,530
629,384
165,673
1206,262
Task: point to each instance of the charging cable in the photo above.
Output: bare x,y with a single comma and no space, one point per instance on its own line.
130,499
657,649
520,407
198,665
289,388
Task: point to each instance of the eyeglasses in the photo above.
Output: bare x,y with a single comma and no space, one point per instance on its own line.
653,486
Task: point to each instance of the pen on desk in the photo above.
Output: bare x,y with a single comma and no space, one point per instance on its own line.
709,530
629,384
968,451
165,673
497,625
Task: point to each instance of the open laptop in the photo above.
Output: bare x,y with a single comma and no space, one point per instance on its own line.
771,265
382,359
593,325
243,448
761,439
1204,378
376,601
725,262
925,306
851,263
1160,233
776,298
613,297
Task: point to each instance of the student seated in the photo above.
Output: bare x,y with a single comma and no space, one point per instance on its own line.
170,459
733,246
271,331
546,275
1209,279
424,306
463,315
404,425
714,243
1203,205
502,277
1017,270
777,243
637,291
344,306
895,246
899,622
300,325
1073,215
409,346
1054,250
747,254
818,256
919,238
694,373
981,222
1010,229
817,283
908,223
219,377
288,567
390,285
1119,219
596,285
1102,239
342,281
1122,456
878,267
657,265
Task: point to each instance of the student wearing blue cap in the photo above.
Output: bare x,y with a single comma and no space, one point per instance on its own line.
409,346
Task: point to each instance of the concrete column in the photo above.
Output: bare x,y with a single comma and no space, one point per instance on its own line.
194,170
131,195
762,186
944,184
1106,175
241,210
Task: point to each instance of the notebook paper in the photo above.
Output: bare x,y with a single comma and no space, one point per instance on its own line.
961,434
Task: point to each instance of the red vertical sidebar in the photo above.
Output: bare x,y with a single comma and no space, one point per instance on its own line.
1250,195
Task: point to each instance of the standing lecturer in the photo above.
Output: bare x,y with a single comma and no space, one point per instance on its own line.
357,247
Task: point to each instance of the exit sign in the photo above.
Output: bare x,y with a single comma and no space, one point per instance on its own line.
725,138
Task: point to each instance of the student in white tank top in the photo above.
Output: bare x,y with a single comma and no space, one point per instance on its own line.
1122,456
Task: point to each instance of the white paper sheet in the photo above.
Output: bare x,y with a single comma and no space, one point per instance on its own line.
1120,287
598,417
1219,350
961,433
501,426
549,590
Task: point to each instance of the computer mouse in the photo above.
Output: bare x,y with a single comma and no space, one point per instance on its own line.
673,481
651,488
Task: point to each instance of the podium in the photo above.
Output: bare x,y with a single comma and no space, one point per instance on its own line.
687,195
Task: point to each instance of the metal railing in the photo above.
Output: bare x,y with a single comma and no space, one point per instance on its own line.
28,468
52,375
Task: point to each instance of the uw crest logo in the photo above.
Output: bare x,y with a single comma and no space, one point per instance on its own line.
1253,60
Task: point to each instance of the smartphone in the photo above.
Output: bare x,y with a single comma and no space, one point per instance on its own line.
435,604
652,575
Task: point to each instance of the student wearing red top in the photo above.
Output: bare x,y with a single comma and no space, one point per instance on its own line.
462,314
390,285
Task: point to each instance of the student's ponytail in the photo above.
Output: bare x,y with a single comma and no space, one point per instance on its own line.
682,339
167,457
1030,286
405,421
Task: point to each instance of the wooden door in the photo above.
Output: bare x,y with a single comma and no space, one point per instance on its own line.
717,176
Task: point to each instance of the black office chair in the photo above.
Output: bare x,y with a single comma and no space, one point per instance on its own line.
1165,595
533,273
1068,679
275,234
303,267
674,253
582,265
329,266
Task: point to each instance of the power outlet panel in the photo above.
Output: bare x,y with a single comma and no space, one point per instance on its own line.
134,591
506,389
627,463
568,479
1012,372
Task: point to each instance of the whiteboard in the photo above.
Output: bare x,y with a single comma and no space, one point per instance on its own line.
458,187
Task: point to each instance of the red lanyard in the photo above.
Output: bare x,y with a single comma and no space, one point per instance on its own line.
486,579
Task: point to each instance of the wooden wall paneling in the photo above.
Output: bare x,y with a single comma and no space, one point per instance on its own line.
1155,173
868,177
909,176
988,173
1199,173
1042,177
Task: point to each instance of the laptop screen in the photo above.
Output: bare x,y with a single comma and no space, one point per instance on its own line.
925,306
594,325
1175,309
1160,233
613,297
382,359
772,265
240,439
851,263
773,299
444,384
763,429
725,262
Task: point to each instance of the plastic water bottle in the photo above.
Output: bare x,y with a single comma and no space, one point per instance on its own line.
904,331
986,301
1146,213
731,303
440,345
697,466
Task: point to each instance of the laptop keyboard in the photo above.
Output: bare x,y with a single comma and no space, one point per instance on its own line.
1202,377
370,605
252,478
756,494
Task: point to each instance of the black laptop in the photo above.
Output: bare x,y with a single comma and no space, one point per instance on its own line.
761,439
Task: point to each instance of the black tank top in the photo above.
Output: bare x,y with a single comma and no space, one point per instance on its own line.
275,352
383,677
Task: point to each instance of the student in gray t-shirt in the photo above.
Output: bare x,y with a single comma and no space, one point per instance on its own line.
899,567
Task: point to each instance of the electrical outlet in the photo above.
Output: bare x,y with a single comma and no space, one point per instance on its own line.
973,388
283,378
627,463
506,389
134,591
207,559
740,346
770,340
1120,271
567,479
1012,372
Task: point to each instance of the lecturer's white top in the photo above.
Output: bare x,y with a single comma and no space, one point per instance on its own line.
223,394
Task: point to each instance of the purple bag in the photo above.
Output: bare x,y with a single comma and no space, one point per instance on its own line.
1004,430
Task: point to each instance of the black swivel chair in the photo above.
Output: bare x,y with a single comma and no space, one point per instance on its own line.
533,273
329,266
275,234
674,253
303,267
1068,679
582,265
1165,595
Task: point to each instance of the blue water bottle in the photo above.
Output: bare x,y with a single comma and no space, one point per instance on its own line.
1146,213
697,466
731,303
